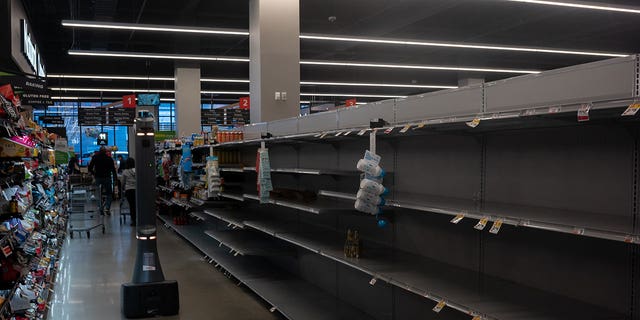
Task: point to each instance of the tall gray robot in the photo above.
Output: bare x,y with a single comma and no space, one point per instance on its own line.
148,294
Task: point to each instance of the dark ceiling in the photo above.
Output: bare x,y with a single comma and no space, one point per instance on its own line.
496,22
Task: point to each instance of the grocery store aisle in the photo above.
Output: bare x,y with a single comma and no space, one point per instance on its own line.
92,270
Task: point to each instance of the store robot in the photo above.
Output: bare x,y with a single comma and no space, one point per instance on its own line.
148,294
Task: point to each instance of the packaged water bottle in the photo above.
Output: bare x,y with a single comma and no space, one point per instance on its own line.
367,207
373,187
370,167
370,198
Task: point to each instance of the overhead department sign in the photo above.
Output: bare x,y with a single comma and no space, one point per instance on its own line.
30,50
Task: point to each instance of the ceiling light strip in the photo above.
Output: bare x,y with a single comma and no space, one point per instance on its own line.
324,63
459,45
363,84
220,92
580,6
151,27
304,83
118,54
201,30
420,67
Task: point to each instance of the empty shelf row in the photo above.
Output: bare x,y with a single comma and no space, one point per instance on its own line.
459,288
291,296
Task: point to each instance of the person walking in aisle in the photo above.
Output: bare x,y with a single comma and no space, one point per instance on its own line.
129,185
104,171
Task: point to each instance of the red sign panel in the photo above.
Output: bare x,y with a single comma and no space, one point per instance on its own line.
245,103
129,101
350,102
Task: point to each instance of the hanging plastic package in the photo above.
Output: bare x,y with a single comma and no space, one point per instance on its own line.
263,167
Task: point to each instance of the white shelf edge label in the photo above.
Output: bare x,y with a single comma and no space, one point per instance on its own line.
457,218
389,130
473,123
439,306
362,132
347,133
495,228
482,223
405,128
583,112
373,281
631,110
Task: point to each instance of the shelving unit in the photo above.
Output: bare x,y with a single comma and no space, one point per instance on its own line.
289,295
511,151
580,223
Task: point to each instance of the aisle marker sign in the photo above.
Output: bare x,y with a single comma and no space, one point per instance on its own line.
583,112
481,224
631,110
495,228
457,218
245,103
439,306
129,101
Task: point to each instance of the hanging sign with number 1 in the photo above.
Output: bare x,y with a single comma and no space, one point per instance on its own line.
129,101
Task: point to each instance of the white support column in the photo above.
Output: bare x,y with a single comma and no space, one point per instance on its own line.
188,102
274,69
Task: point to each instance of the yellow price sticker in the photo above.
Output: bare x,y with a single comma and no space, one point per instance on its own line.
439,306
481,224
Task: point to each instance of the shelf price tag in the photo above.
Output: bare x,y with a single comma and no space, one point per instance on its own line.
405,128
630,239
631,110
338,134
373,281
583,112
554,110
457,218
528,113
473,123
346,133
362,132
495,228
578,231
323,135
482,223
389,130
477,318
439,306
420,126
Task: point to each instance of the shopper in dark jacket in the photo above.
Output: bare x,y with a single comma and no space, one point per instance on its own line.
73,167
104,171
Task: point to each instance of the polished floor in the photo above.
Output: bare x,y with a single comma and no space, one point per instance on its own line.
92,270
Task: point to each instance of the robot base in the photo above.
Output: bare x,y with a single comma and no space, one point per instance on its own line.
141,300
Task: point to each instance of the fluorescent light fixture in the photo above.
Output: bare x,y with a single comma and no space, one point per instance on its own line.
581,6
219,31
225,80
98,98
323,63
459,45
150,27
304,83
102,77
111,90
118,54
223,92
350,95
390,85
411,66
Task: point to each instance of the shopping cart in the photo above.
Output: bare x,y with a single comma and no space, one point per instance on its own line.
83,210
